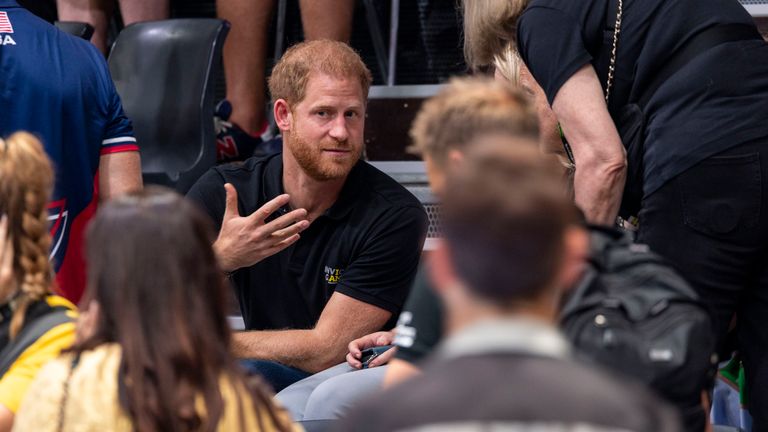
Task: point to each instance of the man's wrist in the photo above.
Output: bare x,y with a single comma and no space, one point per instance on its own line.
227,267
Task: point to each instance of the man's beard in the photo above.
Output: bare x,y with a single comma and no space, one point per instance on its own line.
310,158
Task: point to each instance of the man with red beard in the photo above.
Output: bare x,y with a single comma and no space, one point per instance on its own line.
320,246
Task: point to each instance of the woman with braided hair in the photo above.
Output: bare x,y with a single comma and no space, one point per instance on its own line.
153,343
34,324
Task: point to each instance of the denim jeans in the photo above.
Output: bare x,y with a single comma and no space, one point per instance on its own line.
277,375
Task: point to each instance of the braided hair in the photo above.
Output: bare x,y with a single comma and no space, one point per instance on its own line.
26,179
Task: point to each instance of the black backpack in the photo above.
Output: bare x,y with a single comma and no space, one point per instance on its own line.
29,334
632,313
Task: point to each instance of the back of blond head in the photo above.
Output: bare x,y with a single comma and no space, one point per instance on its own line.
26,179
467,108
490,26
290,75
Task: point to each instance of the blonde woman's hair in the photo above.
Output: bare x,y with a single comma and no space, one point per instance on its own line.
489,27
508,63
26,179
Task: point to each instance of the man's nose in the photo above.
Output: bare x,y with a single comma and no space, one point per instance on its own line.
339,129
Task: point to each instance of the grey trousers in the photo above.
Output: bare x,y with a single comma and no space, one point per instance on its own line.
330,393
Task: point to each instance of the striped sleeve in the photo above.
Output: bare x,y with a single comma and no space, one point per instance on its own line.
119,144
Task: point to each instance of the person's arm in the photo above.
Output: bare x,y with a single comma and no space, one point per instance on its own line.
119,173
119,158
600,157
343,319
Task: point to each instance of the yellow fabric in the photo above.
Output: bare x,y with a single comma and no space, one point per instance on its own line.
93,406
57,301
15,383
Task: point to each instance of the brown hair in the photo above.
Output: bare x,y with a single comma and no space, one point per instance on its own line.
505,220
489,26
290,75
153,273
26,180
467,108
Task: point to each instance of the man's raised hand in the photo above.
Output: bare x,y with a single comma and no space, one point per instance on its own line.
245,240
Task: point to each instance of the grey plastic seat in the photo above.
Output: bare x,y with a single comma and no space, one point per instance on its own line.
76,28
164,73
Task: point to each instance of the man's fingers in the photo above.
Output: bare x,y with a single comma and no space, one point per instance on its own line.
384,339
383,358
230,210
282,245
286,220
352,361
270,207
284,233
354,349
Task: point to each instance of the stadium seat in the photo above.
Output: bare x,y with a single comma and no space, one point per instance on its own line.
163,71
79,29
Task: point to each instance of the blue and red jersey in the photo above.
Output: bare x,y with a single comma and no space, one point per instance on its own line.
58,87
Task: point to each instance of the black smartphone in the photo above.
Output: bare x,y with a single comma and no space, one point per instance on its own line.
368,354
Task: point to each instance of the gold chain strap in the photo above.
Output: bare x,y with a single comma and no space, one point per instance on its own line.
612,66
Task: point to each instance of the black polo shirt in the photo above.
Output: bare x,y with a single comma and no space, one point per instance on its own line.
366,246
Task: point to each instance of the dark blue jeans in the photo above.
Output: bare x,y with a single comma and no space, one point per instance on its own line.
711,222
277,375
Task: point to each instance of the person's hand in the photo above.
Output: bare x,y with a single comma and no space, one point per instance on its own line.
357,346
245,240
6,259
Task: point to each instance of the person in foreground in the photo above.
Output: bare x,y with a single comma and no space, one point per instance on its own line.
510,248
34,324
153,344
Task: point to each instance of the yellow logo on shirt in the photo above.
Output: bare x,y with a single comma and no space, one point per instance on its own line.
332,275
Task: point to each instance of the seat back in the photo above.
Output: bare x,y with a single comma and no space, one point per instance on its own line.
76,28
163,71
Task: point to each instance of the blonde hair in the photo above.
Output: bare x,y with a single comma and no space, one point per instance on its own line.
467,108
489,27
290,75
26,179
508,63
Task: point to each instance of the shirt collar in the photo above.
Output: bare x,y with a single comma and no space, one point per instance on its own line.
513,335
272,186
348,197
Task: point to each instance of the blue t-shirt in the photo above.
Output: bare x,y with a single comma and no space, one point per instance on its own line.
58,87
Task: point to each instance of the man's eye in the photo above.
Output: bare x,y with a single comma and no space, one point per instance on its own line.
351,114
322,113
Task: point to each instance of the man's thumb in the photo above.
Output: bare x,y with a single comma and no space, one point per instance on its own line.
230,210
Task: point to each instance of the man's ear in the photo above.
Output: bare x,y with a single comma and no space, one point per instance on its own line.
441,270
575,254
283,116
455,159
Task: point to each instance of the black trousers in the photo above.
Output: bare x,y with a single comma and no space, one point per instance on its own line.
711,222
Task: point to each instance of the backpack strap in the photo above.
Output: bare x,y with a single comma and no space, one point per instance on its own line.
29,334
